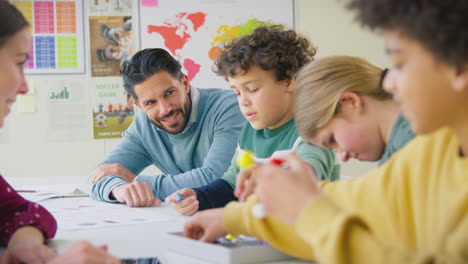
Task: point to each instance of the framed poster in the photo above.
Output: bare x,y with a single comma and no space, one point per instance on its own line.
58,36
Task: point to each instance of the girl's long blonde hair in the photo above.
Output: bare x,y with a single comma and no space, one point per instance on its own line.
321,83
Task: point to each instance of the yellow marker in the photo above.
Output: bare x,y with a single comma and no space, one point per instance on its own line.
230,237
245,160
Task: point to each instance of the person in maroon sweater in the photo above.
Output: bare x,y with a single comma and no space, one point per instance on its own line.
24,225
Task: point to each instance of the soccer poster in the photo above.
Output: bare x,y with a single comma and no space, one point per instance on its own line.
112,108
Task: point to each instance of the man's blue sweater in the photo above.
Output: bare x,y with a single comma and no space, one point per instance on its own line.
195,157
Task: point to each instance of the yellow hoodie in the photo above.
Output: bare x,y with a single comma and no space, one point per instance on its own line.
413,209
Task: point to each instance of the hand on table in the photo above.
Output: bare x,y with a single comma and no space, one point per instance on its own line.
187,206
297,184
108,169
206,225
135,194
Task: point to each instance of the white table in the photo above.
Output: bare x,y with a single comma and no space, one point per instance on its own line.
128,241
143,240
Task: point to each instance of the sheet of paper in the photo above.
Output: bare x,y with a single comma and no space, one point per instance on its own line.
90,214
149,2
26,104
50,188
36,193
68,110
41,196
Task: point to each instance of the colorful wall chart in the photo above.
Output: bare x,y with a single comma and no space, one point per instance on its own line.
57,30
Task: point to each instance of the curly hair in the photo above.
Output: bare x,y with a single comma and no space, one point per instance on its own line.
270,47
439,25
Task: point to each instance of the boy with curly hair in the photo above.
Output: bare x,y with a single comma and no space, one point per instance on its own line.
260,69
413,209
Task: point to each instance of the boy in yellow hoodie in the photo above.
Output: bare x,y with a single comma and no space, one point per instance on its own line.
413,209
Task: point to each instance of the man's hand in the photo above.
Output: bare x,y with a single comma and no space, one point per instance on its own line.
206,225
297,184
135,194
187,206
107,169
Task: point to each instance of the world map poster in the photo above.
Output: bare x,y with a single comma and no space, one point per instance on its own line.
193,30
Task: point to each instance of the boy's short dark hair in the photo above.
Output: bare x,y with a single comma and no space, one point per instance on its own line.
269,47
439,25
145,64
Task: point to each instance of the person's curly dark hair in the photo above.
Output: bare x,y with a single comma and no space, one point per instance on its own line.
269,47
439,25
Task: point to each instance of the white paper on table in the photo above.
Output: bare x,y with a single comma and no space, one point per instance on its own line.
43,192
89,214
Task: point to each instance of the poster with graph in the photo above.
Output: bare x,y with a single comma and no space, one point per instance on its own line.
57,30
68,110
193,30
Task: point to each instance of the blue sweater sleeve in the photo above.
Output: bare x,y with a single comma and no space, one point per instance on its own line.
188,160
131,154
226,128
214,195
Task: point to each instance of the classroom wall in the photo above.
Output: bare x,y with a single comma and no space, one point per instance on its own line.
27,152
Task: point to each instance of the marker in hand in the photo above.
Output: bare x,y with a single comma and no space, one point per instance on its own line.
178,197
247,160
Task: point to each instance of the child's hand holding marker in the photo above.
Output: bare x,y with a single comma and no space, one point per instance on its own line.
246,185
299,178
184,201
246,161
